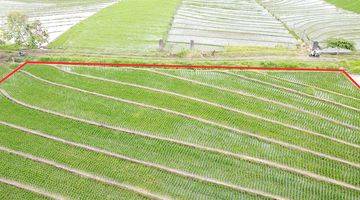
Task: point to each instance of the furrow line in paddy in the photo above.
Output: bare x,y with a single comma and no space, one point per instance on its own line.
241,132
213,150
215,105
291,90
255,97
144,163
83,173
307,85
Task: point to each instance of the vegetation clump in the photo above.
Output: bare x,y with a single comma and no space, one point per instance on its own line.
340,43
20,31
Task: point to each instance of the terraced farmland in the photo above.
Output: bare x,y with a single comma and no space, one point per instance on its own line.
316,20
137,25
194,134
57,17
230,23
128,26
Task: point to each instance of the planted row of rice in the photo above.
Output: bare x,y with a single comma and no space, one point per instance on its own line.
247,104
111,167
197,109
148,178
187,128
315,92
152,150
48,178
329,81
232,82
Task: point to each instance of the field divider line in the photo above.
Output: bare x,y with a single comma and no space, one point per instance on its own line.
148,164
84,174
174,141
238,131
32,189
290,90
241,157
214,105
255,97
305,85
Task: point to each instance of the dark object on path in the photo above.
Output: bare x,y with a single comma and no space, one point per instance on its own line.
213,53
161,45
192,44
315,50
22,53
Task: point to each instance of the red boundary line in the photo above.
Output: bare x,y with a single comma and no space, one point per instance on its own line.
343,71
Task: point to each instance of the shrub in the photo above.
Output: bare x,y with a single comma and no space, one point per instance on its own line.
24,33
340,43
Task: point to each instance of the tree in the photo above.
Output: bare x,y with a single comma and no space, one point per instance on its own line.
36,35
24,33
16,27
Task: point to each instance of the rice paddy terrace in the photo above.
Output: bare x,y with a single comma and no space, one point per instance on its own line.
211,24
217,23
80,132
56,16
316,20
105,133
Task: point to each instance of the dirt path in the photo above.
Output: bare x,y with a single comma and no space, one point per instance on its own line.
255,97
148,164
243,157
83,174
32,189
213,104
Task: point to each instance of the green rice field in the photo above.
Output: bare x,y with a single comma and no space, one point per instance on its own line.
144,133
129,26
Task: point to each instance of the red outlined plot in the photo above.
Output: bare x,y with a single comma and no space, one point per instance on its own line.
95,64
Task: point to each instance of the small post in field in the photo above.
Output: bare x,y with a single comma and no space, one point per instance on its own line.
192,44
161,45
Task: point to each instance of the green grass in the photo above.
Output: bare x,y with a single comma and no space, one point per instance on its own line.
130,25
352,5
171,126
